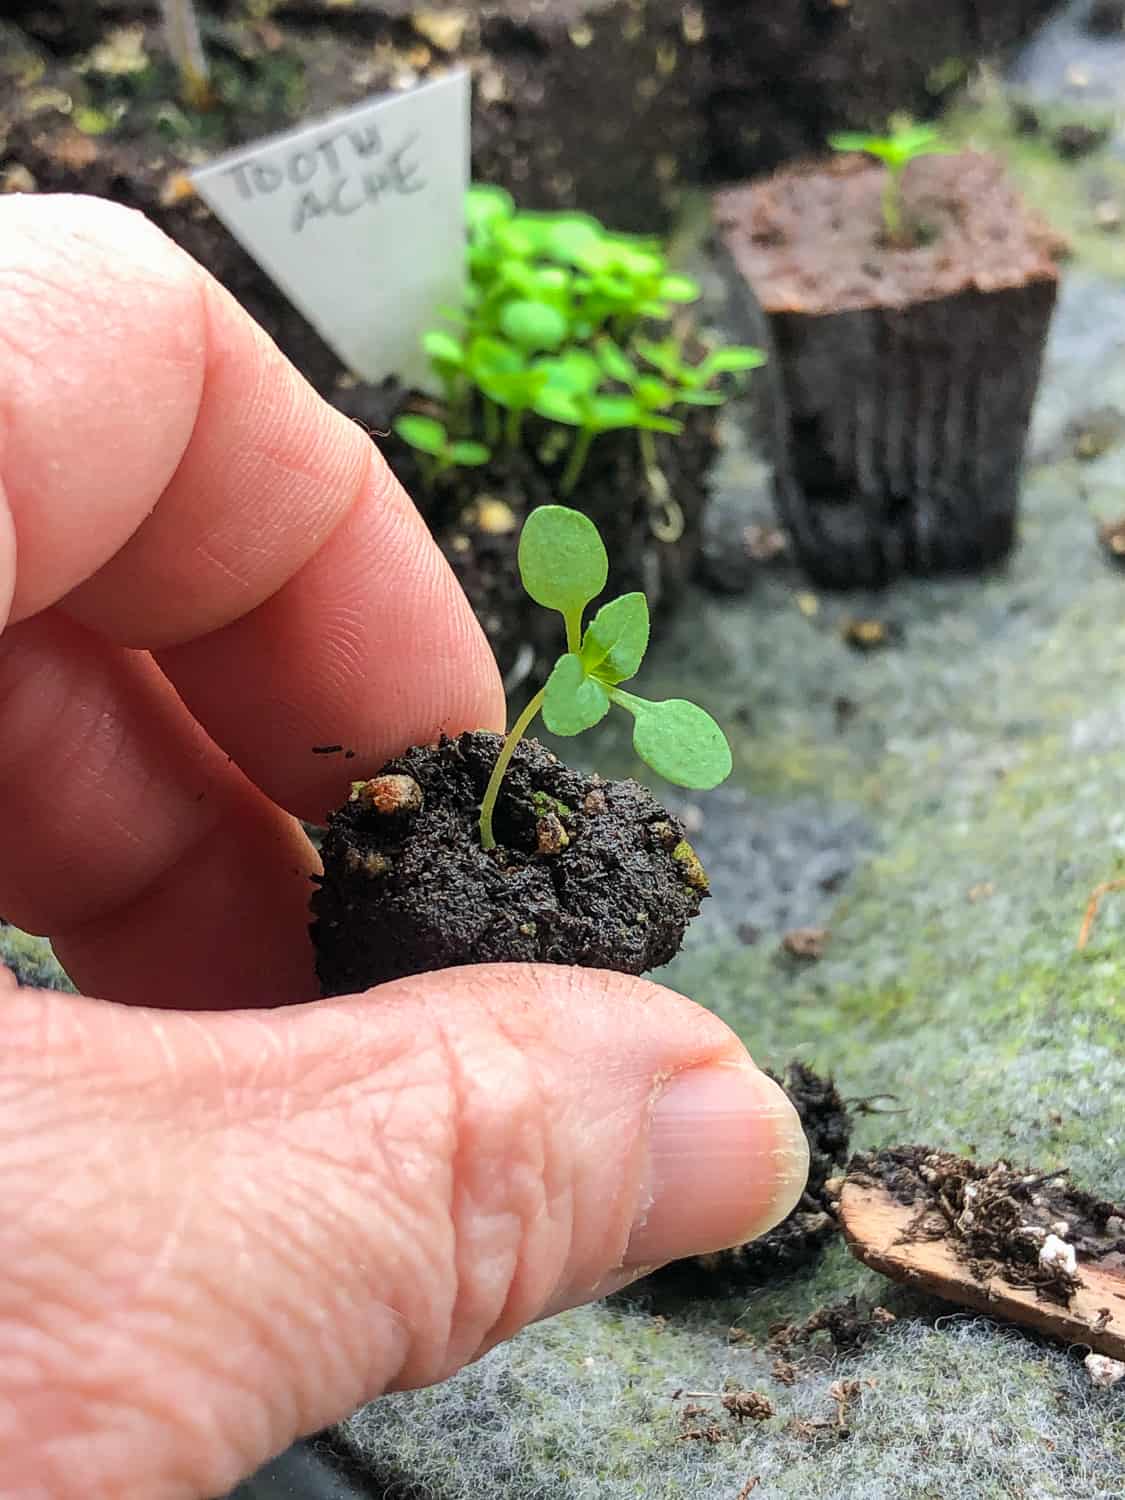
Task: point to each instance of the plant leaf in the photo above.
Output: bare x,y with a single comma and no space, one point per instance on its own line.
616,639
680,741
533,325
615,363
679,289
443,349
733,360
469,455
562,561
572,701
424,433
486,205
558,406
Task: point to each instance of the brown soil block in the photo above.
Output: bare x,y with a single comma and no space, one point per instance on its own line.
585,871
1015,1243
900,379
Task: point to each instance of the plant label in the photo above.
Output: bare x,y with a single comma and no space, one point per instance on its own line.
359,219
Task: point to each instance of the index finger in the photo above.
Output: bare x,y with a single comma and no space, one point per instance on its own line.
175,486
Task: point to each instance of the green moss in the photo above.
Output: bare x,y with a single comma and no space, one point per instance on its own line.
692,870
544,804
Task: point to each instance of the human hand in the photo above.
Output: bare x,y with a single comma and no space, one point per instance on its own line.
232,1219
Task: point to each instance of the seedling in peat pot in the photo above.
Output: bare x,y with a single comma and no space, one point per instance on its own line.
896,151
564,566
438,452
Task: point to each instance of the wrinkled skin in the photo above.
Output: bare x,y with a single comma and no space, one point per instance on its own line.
232,1214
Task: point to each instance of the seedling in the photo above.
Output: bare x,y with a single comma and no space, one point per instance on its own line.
181,32
564,566
439,452
896,151
553,323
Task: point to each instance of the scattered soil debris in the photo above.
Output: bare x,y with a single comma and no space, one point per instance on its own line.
849,1325
764,544
1011,1241
747,1406
870,635
806,942
1078,139
1103,1371
1111,535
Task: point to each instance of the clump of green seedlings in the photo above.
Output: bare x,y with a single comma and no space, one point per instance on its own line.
564,566
572,325
896,151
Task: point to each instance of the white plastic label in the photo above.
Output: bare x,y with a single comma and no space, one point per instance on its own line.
359,219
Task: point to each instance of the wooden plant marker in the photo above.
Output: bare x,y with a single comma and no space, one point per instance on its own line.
876,1227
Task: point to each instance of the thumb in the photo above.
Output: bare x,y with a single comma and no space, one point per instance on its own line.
223,1231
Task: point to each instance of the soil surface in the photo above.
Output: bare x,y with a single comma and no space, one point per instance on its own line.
998,1217
585,871
812,239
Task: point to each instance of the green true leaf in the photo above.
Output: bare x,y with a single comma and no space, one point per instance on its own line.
679,289
423,433
469,455
559,406
648,421
572,701
609,413
615,363
486,205
733,360
575,240
443,349
665,355
576,372
680,741
533,325
562,561
653,393
701,398
616,639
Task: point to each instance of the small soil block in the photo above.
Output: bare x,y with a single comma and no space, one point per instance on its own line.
1016,1244
900,378
586,871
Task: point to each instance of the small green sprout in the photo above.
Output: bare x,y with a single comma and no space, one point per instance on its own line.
896,151
564,566
438,451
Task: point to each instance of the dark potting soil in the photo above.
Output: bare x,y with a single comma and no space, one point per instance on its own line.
801,1237
995,1216
899,381
585,871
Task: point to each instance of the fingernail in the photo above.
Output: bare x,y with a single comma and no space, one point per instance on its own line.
727,1160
